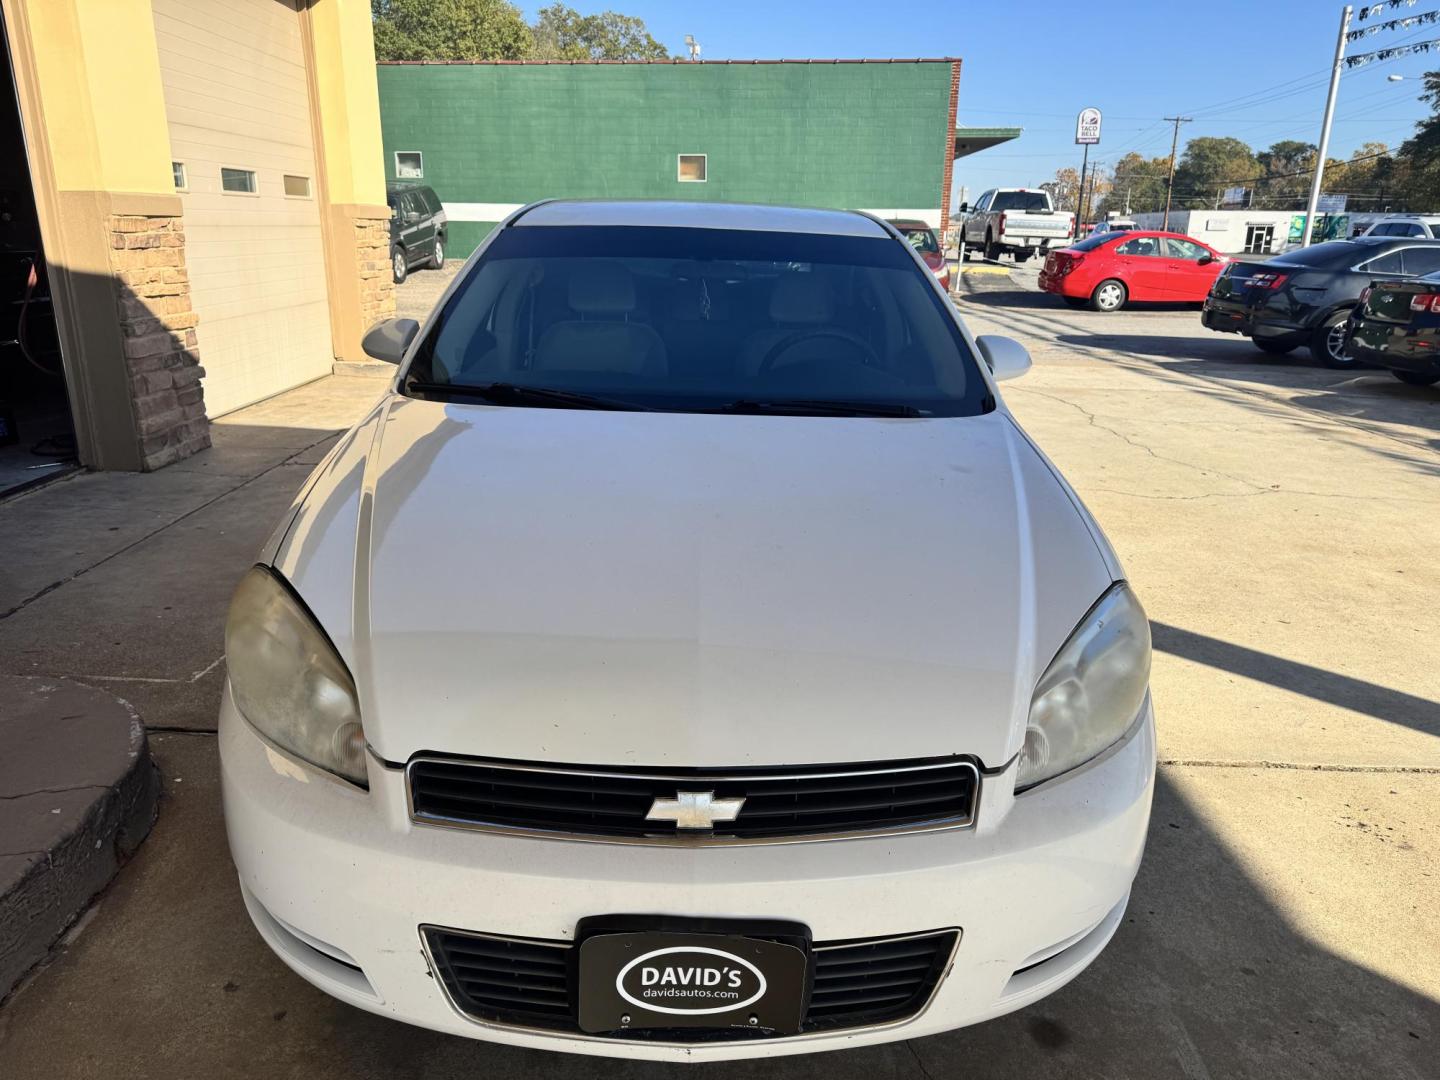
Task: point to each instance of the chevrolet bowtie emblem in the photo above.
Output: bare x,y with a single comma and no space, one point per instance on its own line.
694,810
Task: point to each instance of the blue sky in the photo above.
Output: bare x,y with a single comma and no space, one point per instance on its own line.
1136,61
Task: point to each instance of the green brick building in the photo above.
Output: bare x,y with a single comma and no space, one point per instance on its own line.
491,136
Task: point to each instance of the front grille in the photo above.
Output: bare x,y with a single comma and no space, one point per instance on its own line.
523,983
779,803
874,982
528,982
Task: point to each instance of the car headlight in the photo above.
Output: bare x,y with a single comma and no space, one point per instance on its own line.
1092,691
287,679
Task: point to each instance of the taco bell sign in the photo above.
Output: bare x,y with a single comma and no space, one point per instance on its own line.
1087,127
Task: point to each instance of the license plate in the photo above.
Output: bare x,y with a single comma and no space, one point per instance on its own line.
670,980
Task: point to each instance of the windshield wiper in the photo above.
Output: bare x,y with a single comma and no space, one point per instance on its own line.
502,393
817,407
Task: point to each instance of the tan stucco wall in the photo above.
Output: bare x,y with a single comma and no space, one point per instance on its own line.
346,101
99,76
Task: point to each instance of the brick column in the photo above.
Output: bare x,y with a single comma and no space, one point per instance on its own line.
157,321
949,170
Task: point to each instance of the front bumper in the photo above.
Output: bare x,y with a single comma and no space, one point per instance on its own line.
338,882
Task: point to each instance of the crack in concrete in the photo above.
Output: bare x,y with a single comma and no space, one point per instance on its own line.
1095,422
54,791
156,532
1298,766
925,1072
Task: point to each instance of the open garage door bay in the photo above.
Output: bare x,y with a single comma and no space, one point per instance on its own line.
238,105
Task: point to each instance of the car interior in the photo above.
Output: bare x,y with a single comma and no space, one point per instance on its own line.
721,328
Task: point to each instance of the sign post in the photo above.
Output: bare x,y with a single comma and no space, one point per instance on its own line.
1087,134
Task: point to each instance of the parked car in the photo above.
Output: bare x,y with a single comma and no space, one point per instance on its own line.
1115,225
922,239
1409,225
1396,325
620,595
1020,221
1304,297
417,228
1111,269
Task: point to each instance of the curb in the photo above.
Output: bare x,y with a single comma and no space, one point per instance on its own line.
78,792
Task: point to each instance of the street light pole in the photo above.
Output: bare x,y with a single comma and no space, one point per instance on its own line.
1170,180
1314,203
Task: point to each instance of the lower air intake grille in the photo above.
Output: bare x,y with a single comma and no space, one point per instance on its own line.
752,804
863,983
527,982
523,983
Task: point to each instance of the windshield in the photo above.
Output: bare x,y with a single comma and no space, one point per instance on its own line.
921,240
696,320
1020,200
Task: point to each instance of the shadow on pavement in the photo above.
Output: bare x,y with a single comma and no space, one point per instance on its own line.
1342,691
1362,393
1204,979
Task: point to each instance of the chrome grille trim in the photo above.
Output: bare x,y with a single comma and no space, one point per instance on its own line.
690,779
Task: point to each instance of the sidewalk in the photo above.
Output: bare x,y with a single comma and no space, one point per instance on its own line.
112,599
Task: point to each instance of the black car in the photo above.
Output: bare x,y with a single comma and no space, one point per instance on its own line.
1396,325
1304,297
417,228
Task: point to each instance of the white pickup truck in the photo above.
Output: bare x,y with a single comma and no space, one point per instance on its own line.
1020,221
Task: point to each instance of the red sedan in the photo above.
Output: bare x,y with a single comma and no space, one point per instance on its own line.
1108,270
922,239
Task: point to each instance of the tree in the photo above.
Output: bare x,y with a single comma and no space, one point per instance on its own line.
1138,185
1420,153
562,33
1286,168
449,30
1063,188
1208,166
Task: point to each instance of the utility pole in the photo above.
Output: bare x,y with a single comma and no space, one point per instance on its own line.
1170,181
1314,203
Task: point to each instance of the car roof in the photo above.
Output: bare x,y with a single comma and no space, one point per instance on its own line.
747,217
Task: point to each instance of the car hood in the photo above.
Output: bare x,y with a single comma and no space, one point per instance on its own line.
618,588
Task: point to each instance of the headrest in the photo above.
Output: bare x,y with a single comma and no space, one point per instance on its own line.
601,287
801,298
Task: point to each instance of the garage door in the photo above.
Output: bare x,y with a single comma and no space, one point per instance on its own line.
238,105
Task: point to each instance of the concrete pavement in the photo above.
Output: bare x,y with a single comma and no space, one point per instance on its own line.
1279,524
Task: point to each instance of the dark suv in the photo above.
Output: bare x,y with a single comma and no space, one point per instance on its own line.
417,228
1304,297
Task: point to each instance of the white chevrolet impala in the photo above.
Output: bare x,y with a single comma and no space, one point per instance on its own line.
688,658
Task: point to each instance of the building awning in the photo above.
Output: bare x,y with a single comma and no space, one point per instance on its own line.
969,140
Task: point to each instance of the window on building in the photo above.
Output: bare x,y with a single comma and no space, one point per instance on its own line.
409,165
238,180
690,168
177,170
1259,239
297,186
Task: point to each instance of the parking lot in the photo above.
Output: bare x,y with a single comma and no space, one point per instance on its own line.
1279,522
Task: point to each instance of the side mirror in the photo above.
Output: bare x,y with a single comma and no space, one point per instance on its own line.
388,340
964,208
1206,259
1006,357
